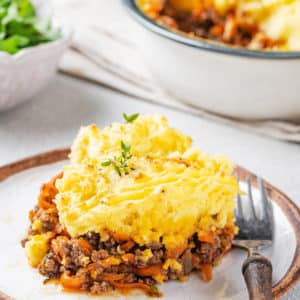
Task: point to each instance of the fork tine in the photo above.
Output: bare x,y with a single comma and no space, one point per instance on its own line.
265,202
252,208
256,232
239,210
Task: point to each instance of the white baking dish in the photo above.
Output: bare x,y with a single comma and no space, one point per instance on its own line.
230,81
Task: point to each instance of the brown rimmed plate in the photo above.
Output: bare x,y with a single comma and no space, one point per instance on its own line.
19,187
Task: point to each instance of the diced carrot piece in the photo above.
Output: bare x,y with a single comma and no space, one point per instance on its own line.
187,5
48,191
128,258
110,261
128,245
217,30
175,252
113,277
195,259
206,272
71,282
134,285
92,266
58,176
119,237
43,203
85,245
206,237
149,271
31,215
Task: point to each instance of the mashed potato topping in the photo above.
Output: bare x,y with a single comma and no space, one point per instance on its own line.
170,191
279,19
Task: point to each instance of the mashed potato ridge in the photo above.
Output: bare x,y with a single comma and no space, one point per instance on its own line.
279,19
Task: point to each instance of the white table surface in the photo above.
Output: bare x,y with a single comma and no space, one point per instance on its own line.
52,119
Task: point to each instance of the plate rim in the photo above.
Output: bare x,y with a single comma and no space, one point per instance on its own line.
289,208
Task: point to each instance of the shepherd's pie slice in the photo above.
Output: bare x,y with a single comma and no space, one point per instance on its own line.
137,205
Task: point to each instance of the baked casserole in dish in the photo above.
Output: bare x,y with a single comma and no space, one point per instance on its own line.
254,24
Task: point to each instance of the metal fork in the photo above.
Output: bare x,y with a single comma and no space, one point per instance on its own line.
255,234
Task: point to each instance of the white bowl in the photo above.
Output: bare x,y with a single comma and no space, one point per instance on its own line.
24,74
229,81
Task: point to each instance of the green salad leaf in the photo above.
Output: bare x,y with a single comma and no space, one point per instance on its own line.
20,26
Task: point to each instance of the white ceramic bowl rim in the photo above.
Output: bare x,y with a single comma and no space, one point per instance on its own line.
203,43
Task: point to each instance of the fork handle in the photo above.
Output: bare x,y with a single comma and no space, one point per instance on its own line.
257,271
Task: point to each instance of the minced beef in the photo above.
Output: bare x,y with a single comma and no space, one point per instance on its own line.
99,254
93,238
96,266
206,22
48,219
100,287
49,266
66,254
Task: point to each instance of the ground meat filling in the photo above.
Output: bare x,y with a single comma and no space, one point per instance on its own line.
209,24
95,265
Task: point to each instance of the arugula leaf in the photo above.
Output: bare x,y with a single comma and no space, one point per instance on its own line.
26,9
11,14
5,3
13,44
130,118
20,27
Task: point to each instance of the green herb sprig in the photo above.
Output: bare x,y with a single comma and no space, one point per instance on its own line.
120,163
21,28
130,118
154,291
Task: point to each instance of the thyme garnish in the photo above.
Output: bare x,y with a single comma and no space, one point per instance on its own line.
154,291
130,118
120,163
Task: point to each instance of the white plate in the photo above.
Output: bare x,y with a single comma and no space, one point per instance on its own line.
18,194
